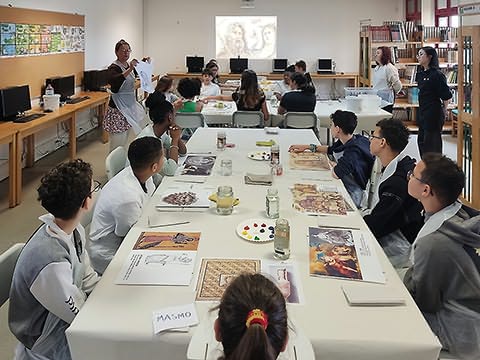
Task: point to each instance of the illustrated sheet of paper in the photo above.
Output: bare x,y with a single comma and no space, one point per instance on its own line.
174,317
308,161
200,165
161,258
216,274
343,253
287,278
145,71
185,196
314,200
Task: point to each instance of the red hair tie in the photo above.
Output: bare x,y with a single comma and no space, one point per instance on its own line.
257,316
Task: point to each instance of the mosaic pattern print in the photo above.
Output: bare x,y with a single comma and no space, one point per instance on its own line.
216,274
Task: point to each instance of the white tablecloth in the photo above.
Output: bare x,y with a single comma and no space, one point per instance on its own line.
116,321
323,110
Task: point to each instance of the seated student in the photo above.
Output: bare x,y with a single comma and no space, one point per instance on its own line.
213,67
301,67
163,117
121,201
249,97
395,217
188,88
252,319
444,278
301,98
351,152
209,88
164,87
53,276
283,86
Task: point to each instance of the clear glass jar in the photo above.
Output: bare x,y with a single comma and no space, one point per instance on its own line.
281,241
226,167
272,203
221,140
224,200
275,155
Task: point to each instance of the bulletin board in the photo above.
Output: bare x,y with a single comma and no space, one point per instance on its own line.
33,70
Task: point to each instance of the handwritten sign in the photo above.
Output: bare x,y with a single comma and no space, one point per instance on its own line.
174,317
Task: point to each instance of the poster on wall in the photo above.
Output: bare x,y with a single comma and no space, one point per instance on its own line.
253,37
34,39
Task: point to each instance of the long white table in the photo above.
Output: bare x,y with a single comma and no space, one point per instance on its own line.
116,321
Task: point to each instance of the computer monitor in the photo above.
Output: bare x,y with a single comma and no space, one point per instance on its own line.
194,64
63,85
279,65
237,65
13,101
95,80
325,66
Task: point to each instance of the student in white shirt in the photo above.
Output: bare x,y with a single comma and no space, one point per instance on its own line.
122,199
209,88
53,276
163,117
283,86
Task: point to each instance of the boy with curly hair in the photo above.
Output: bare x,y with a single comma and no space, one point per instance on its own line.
53,276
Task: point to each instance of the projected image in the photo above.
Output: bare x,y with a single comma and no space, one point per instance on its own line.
253,37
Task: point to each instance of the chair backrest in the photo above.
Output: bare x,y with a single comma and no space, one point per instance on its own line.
190,120
301,120
87,217
372,184
248,119
115,161
7,264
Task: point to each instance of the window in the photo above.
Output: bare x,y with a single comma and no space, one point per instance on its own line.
446,13
414,10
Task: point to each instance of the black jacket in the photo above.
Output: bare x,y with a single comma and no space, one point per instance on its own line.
396,209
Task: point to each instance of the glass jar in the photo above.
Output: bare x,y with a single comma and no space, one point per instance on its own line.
281,241
275,155
224,200
272,203
221,140
226,167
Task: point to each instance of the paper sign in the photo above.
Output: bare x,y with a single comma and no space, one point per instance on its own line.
174,317
145,70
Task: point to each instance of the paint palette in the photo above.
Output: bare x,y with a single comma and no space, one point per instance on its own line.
257,230
259,155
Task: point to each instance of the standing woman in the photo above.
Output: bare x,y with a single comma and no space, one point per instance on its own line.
385,77
123,112
433,98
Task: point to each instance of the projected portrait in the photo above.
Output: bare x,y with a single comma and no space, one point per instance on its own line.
253,37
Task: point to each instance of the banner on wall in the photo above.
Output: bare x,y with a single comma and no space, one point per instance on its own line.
34,39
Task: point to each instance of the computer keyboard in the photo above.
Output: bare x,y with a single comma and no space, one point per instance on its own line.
76,100
27,118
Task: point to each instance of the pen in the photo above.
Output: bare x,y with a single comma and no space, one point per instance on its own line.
171,224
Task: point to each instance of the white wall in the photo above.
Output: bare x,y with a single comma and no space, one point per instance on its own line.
106,22
307,29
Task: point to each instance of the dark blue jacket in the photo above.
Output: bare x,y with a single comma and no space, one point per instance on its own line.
356,160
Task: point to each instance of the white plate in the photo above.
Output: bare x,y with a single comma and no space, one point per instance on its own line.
256,230
259,155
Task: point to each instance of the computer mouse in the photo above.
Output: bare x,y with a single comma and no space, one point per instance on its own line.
48,111
87,97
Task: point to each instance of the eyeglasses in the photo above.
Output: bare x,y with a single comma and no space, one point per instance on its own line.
420,55
371,137
96,187
410,175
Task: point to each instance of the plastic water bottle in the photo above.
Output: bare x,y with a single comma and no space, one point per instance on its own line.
49,90
272,203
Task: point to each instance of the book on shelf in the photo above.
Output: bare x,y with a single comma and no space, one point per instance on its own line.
410,73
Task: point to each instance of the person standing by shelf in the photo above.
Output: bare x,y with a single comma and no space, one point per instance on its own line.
123,112
385,77
433,98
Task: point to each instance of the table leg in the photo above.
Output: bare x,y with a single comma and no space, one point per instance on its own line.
12,173
101,111
72,137
18,170
30,147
